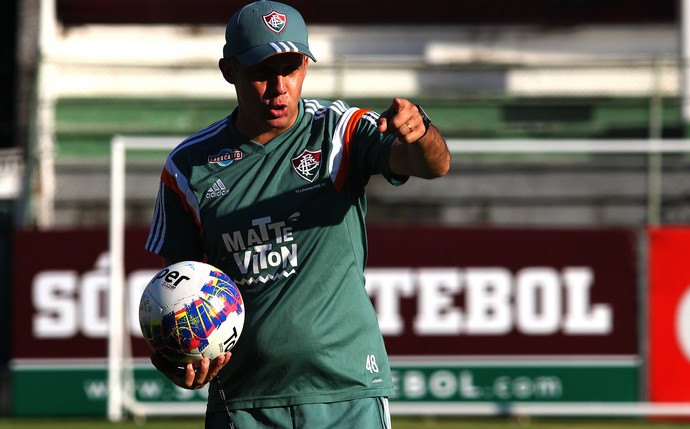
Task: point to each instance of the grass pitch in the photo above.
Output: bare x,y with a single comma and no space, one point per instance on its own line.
398,423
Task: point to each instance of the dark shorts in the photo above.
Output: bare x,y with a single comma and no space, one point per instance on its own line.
366,413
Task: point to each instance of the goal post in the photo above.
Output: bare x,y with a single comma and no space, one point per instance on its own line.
122,398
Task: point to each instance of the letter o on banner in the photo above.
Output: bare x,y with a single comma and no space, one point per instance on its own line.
683,324
669,314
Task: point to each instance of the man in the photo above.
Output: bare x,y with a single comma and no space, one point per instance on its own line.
273,195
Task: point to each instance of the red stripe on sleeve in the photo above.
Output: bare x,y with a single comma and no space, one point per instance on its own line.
347,144
169,181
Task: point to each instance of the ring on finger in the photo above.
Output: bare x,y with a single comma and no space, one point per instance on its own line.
409,127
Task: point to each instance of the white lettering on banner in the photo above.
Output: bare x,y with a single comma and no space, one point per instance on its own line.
533,301
67,304
496,301
436,313
52,296
398,284
683,324
467,387
413,384
94,290
446,384
538,317
96,390
580,318
488,301
146,389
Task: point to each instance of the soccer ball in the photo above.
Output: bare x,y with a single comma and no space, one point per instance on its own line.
191,310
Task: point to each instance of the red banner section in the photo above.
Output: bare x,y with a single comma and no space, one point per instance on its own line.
669,315
438,291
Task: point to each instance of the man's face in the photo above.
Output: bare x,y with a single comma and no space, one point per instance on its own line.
268,94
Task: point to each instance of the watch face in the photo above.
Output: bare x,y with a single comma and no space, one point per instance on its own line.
425,117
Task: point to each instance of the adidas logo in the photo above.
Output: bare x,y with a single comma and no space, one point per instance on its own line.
217,190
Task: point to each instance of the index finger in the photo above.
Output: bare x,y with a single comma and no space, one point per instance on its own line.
395,108
202,371
385,118
217,364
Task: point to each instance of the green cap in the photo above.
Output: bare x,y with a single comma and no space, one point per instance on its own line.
265,28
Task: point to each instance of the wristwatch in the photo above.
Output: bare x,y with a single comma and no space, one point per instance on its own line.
425,119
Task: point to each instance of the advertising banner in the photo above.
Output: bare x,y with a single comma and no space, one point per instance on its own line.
469,315
669,315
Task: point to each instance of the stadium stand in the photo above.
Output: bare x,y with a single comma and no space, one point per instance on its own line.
532,79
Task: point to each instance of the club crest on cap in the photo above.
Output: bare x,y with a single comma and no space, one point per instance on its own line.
275,21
